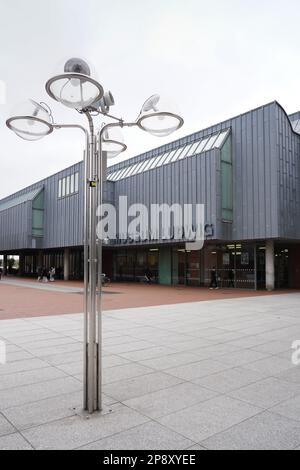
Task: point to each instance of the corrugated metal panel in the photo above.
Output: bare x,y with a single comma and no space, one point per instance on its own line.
15,201
266,170
288,151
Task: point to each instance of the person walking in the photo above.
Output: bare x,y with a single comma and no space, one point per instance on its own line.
213,279
45,275
40,274
52,274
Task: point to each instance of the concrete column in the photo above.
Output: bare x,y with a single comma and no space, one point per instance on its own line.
66,264
4,265
270,265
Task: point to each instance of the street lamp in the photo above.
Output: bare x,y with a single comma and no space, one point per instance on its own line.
77,90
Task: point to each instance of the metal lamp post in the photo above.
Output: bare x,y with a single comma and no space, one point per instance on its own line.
77,90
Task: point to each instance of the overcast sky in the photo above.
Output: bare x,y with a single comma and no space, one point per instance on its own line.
211,59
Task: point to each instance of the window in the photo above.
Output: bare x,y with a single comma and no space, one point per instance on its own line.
63,191
161,158
192,149
132,169
226,181
169,157
186,150
38,215
202,144
68,185
215,140
72,186
210,143
221,137
76,182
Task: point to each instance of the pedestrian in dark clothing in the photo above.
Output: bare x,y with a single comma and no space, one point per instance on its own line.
214,279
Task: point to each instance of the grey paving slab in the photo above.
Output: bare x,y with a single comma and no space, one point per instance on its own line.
241,357
22,366
189,344
149,353
197,369
126,347
196,447
19,379
63,358
289,408
130,388
234,346
170,360
49,343
65,349
291,375
266,431
230,379
214,351
208,418
23,340
267,392
166,401
72,368
18,356
146,436
43,411
273,347
125,371
31,393
14,442
5,426
270,366
76,431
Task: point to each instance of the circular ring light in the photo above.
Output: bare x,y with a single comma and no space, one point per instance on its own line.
74,90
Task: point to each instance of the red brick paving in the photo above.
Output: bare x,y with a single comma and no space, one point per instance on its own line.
20,302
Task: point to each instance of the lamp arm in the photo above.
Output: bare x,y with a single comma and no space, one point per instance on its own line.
71,126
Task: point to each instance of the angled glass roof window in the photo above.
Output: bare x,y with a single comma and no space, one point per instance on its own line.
113,176
215,140
149,164
138,168
202,144
126,171
210,142
192,149
186,150
134,169
221,138
170,156
15,201
163,159
145,163
154,163
120,173
176,154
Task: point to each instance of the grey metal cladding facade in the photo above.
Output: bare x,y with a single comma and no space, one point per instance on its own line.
63,224
198,179
288,152
63,217
16,227
266,190
190,180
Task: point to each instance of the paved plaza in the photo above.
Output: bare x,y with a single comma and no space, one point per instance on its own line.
25,297
200,375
